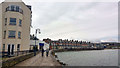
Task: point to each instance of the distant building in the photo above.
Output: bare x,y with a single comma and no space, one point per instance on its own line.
111,44
38,42
15,22
55,44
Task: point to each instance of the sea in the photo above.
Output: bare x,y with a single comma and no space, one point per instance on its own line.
107,57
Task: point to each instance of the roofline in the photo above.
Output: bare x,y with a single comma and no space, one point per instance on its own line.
21,2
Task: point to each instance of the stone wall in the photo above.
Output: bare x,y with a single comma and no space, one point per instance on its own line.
55,58
14,60
76,49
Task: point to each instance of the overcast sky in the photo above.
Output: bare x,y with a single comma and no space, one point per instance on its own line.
91,21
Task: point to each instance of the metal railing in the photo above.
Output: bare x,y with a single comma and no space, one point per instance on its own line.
19,10
16,53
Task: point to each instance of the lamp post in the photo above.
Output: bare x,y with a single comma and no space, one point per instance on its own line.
37,30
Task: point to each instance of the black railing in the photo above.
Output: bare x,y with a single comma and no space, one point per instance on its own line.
15,10
16,53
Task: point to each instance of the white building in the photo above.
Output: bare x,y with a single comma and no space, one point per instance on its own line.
15,21
32,44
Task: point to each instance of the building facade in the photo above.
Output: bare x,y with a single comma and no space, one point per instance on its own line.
15,22
66,44
60,44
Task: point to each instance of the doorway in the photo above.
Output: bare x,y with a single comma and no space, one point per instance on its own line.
18,49
12,50
8,49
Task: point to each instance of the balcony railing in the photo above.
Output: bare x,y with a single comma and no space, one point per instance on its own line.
15,10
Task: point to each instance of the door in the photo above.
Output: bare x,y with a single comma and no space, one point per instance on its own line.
18,49
12,50
8,49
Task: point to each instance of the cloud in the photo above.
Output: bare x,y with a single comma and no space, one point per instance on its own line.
92,21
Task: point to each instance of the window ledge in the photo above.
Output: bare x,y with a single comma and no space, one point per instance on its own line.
12,25
11,38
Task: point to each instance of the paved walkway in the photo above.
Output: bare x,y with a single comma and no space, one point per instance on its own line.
38,60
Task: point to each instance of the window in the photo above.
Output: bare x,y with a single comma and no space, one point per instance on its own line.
3,48
5,21
20,22
12,21
12,34
4,34
19,34
17,8
12,7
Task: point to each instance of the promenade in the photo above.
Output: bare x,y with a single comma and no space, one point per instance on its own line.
38,60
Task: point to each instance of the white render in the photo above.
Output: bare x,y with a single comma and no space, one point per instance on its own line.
24,29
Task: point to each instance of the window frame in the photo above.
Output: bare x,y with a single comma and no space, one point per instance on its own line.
17,8
4,34
19,34
12,8
11,22
20,22
12,34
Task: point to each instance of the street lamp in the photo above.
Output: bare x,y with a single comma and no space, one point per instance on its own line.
37,30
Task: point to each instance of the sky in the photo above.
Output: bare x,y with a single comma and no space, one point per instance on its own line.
93,20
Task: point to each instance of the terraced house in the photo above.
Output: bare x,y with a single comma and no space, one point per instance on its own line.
15,21
58,44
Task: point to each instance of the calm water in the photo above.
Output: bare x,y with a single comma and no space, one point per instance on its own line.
90,58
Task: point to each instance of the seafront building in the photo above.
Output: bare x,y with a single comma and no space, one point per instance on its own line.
59,44
15,22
